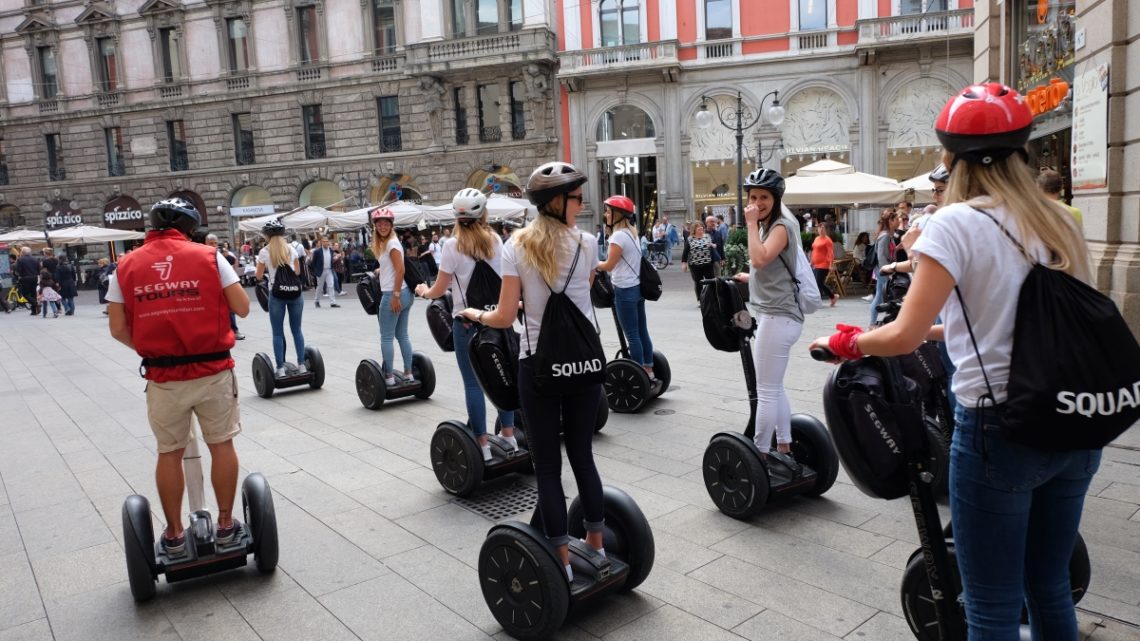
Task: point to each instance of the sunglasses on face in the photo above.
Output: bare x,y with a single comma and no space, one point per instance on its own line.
939,190
577,197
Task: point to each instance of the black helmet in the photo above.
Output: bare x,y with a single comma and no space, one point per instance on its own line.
175,213
273,228
553,179
940,174
768,179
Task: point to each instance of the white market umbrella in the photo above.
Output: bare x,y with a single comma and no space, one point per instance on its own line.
255,223
923,188
499,209
827,182
310,218
92,235
23,236
407,215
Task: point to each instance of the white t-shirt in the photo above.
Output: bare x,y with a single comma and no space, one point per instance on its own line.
627,271
989,269
263,258
436,248
461,267
535,292
387,272
225,270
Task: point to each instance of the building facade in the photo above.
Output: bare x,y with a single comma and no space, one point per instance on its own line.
253,107
1079,62
860,81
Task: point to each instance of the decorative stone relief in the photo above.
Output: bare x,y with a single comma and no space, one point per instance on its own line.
816,121
718,142
911,115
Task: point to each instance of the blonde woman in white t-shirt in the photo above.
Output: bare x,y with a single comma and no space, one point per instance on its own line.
275,256
396,299
625,262
1015,509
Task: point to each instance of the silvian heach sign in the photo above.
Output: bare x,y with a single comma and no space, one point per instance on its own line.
123,212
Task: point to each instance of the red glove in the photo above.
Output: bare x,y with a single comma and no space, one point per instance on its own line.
843,343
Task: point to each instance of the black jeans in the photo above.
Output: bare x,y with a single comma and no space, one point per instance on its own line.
699,273
574,415
28,291
821,282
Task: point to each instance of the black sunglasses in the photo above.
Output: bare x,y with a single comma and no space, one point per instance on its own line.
577,197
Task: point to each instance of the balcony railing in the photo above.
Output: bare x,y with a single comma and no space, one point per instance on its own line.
812,40
387,63
391,142
461,137
315,150
170,91
718,49
308,74
490,134
57,174
246,156
644,56
179,162
107,99
3,174
237,83
515,47
117,168
49,106
518,131
915,26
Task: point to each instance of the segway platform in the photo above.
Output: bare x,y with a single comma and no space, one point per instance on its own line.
373,391
458,461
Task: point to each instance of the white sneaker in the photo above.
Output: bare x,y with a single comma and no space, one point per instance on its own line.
301,369
486,453
512,441
408,378
281,372
869,297
390,380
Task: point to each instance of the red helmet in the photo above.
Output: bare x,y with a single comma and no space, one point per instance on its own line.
621,203
984,123
382,213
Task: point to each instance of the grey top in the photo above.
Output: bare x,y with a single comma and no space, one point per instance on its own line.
771,290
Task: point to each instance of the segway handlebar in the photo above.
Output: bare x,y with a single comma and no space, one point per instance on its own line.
822,354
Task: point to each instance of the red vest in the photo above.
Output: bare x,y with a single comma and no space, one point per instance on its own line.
175,306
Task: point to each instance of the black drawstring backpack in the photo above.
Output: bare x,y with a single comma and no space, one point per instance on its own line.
1074,374
439,320
368,291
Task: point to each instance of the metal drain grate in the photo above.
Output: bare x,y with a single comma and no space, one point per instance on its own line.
664,412
502,501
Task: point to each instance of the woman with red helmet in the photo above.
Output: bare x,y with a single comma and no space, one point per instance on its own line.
1015,509
396,299
624,260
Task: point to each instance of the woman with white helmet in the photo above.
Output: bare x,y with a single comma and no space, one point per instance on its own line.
473,245
275,256
396,299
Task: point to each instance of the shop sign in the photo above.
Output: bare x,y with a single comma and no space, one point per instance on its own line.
1089,159
63,213
814,150
123,212
252,210
1048,97
627,165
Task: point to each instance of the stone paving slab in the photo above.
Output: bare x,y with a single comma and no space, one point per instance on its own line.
372,548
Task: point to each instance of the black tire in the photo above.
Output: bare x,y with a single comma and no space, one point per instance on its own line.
522,584
261,518
917,603
370,388
456,459
735,478
627,535
263,375
812,446
138,545
315,364
603,414
627,386
1080,574
939,457
424,372
661,370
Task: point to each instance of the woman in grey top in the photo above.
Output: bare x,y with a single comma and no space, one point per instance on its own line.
772,299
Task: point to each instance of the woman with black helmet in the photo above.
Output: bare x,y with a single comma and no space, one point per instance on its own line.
277,255
625,262
1015,509
772,298
474,242
551,256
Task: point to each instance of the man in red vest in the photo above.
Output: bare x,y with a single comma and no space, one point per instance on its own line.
170,301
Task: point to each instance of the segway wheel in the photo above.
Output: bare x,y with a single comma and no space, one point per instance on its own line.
735,478
261,519
939,458
603,414
661,370
627,535
424,372
315,364
627,386
520,428
263,376
138,544
812,446
456,458
918,605
1080,573
523,586
370,386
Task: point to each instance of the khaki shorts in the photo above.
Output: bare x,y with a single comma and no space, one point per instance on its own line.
213,399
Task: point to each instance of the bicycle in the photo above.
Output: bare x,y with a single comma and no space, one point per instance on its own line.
15,300
658,255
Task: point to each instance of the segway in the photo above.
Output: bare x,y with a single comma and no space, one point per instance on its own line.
266,379
146,558
870,405
740,478
458,462
524,583
628,386
373,391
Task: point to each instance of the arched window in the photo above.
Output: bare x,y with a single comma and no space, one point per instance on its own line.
322,193
620,22
625,121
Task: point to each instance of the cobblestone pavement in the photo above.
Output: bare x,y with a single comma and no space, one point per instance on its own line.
372,548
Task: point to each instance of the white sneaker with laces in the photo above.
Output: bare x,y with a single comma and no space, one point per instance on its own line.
281,372
486,453
512,441
390,380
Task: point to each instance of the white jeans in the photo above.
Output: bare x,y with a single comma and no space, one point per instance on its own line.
327,282
774,338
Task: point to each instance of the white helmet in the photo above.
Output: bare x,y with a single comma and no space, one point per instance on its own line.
469,204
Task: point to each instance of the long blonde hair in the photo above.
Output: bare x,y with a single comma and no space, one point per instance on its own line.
379,243
476,239
1010,184
540,243
279,253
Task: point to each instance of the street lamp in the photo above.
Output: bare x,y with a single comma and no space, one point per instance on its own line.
776,150
357,181
739,120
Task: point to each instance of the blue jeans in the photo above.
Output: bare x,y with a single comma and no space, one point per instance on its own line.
631,314
395,326
476,404
277,309
880,285
69,304
1015,511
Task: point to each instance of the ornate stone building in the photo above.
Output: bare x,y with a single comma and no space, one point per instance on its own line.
252,107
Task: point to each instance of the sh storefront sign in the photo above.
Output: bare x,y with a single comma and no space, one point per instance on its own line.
62,213
123,212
